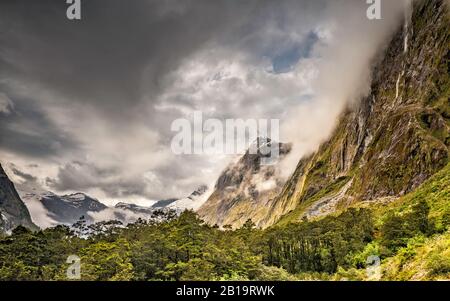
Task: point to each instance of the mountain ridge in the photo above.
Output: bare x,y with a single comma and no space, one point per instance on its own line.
244,190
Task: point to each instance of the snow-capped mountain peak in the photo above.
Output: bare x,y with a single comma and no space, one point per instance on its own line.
194,201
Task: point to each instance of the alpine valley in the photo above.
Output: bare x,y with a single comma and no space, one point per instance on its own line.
378,186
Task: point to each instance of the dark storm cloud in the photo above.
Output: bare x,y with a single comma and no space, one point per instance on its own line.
104,58
28,131
83,176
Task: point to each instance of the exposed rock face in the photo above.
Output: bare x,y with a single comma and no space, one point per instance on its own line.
245,190
396,138
13,211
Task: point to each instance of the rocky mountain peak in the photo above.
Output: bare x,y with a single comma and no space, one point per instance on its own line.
250,162
13,211
199,191
245,188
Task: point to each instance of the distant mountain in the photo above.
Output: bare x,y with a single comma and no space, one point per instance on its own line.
65,209
245,189
13,211
163,203
135,208
192,202
49,209
128,213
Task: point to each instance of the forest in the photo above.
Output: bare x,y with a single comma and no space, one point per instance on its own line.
185,248
410,236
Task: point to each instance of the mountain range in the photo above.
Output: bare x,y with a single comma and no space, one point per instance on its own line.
192,202
49,209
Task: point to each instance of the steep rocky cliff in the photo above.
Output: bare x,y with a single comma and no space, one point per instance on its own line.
13,211
390,143
395,139
245,190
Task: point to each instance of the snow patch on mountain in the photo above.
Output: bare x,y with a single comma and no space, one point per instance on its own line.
194,201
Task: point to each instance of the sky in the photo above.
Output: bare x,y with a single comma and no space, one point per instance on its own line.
87,105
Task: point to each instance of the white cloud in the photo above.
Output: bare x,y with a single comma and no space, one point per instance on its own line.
39,215
6,104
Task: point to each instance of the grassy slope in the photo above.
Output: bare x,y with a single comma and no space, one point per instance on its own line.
423,258
436,191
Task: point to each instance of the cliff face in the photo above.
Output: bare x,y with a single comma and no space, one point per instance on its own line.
395,139
245,190
13,211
